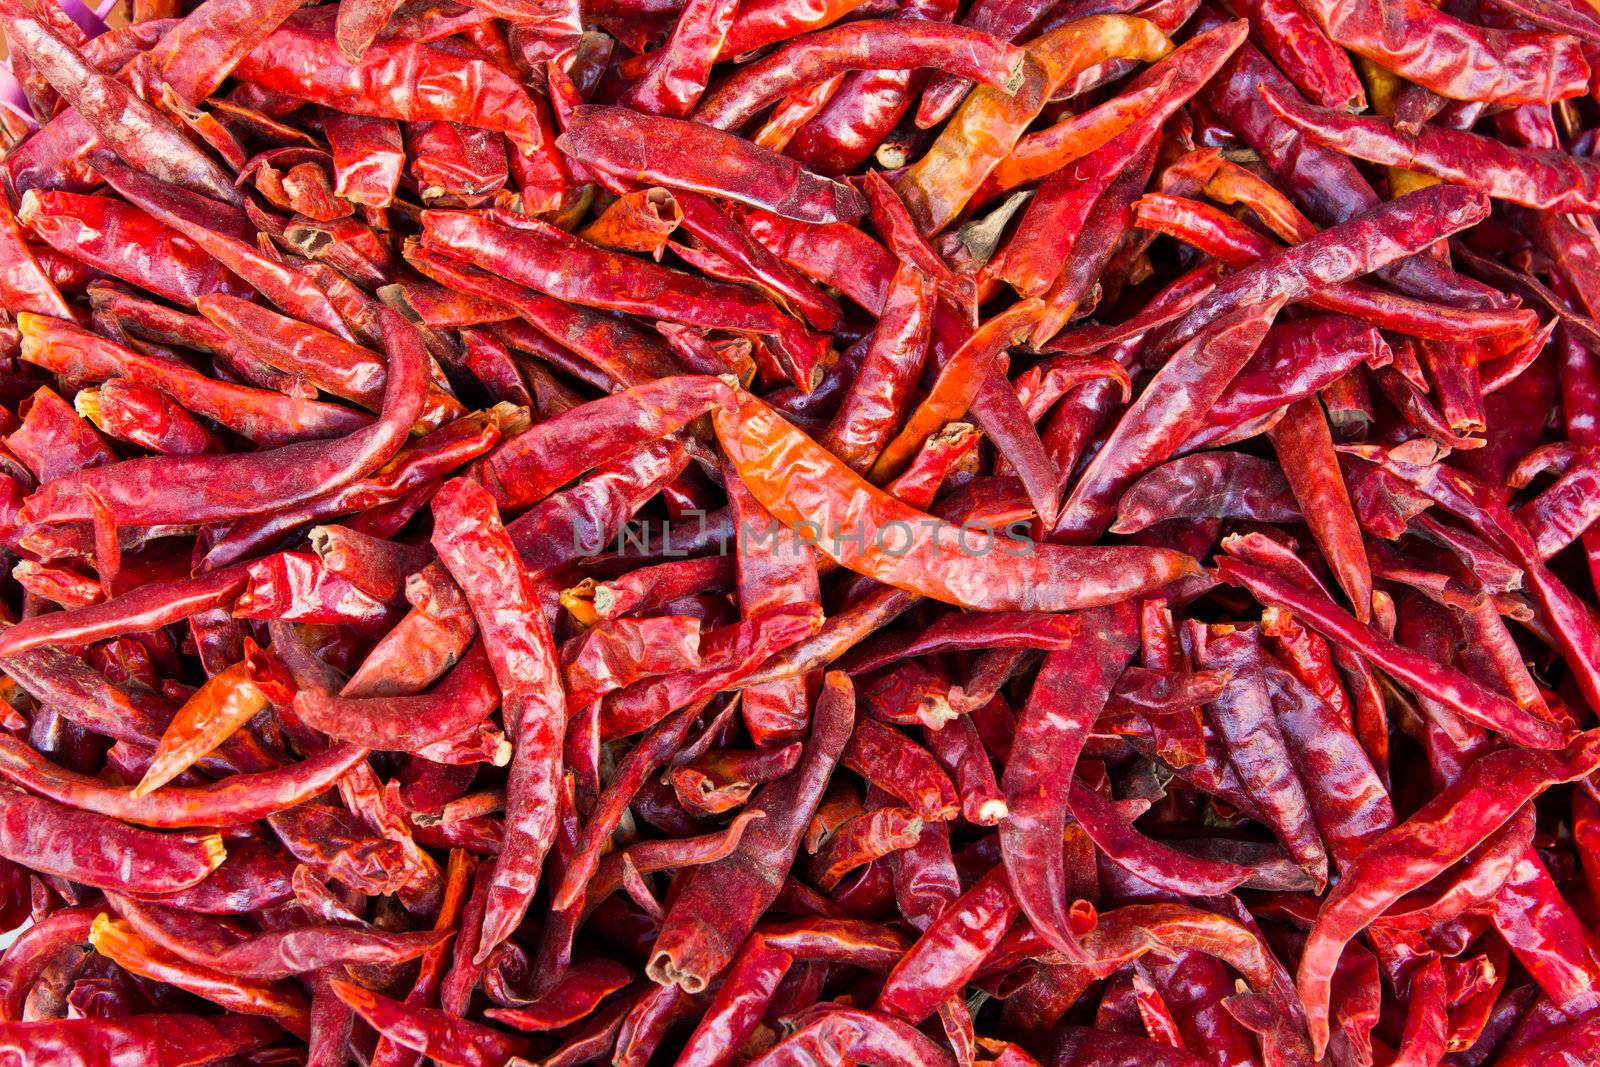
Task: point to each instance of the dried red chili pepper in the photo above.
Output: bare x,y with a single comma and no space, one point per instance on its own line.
823,491
699,934
1454,58
475,547
143,491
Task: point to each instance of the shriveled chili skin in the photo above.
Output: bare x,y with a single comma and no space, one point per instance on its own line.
1067,696
675,153
1429,841
99,851
862,46
123,120
1553,181
542,258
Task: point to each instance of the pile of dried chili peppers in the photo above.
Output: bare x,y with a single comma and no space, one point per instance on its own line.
913,533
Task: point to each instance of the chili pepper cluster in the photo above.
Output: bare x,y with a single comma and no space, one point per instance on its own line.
786,532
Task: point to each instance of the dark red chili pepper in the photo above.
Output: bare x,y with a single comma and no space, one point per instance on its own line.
1550,180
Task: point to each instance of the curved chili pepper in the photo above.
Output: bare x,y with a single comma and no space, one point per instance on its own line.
144,490
1207,485
24,284
673,153
240,798
956,386
266,417
822,252
26,958
147,607
679,70
863,840
867,45
990,121
897,765
1538,924
464,698
284,953
147,1038
761,22
330,363
542,258
797,480
1067,696
1296,359
412,470
126,242
1158,864
222,233
1466,697
1347,798
418,82
1185,386
700,935
1550,180
527,467
121,119
1304,446
92,849
863,1036
226,702
879,395
145,417
950,950
727,656
430,1031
